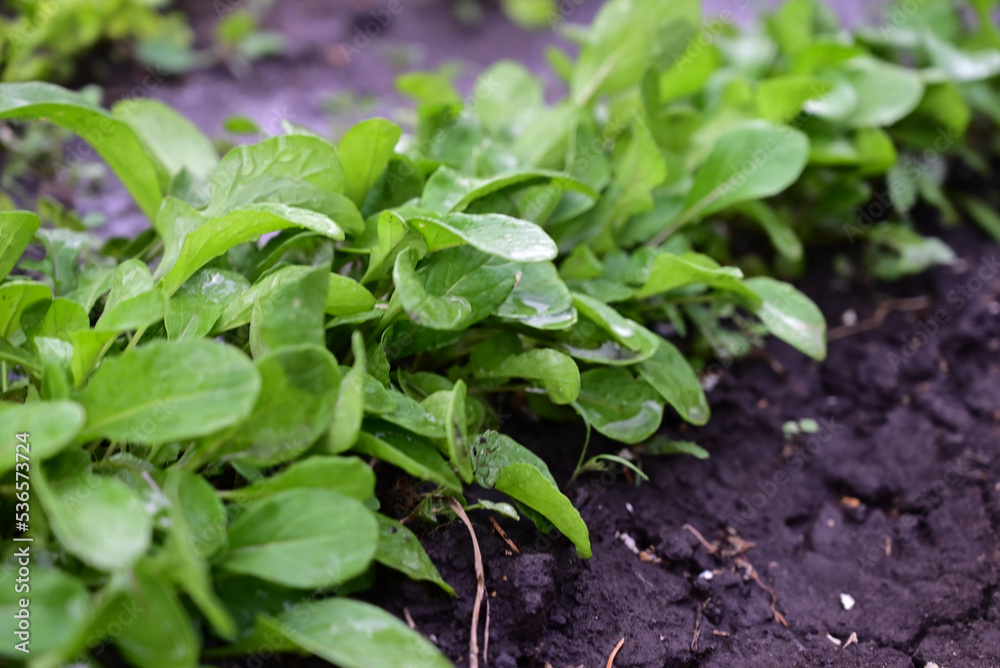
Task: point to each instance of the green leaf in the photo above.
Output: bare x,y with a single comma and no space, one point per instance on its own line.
169,391
57,319
504,464
959,65
299,387
513,93
790,315
113,139
298,171
670,271
343,297
400,550
446,191
14,355
885,93
101,521
454,288
493,233
754,160
293,315
619,406
16,231
624,37
161,634
661,446
192,240
984,215
349,410
627,333
457,432
348,476
401,410
670,374
51,424
690,73
409,452
908,251
540,299
365,151
353,634
197,530
303,538
554,371
780,99
493,452
198,506
60,603
15,298
176,143
777,228
134,300
196,306
526,484
791,25
640,169
346,296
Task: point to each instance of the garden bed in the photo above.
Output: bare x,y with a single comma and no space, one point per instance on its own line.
871,540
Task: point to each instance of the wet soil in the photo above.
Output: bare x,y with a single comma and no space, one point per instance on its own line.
895,502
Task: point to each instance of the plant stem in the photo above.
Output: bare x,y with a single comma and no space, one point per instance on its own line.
676,225
110,450
134,341
3,375
583,452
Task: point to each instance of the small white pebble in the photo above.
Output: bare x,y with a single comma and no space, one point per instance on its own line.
629,542
630,509
847,601
706,575
931,664
849,318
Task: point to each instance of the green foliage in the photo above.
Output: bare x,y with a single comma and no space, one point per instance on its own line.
207,401
44,40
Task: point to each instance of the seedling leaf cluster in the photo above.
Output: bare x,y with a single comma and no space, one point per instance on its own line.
211,399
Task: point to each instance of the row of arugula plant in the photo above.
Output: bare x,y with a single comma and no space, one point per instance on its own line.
46,39
204,408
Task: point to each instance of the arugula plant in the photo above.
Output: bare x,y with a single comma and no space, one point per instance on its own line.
43,39
206,399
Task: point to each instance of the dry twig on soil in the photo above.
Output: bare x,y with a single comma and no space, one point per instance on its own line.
883,310
480,583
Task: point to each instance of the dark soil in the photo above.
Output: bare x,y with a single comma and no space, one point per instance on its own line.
895,502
